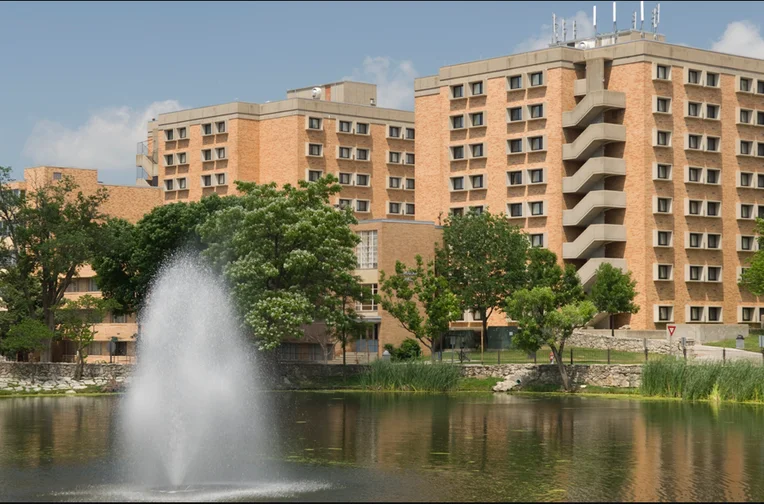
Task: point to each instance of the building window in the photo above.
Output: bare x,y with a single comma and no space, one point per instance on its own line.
516,114
370,304
118,318
746,211
663,105
476,181
696,240
477,119
696,313
168,135
663,138
169,184
410,183
712,111
536,176
516,145
745,179
457,122
394,182
394,208
664,313
663,72
537,208
181,157
760,149
395,157
345,126
457,91
693,141
313,175
207,155
314,149
537,79
362,128
346,178
696,273
395,132
221,127
712,144
362,154
410,158
537,111
693,174
664,271
760,87
746,147
760,181
695,207
693,109
345,152
207,129
712,209
57,176
362,180
664,205
693,77
537,143
477,209
362,205
664,171
747,314
713,241
761,211
314,123
515,178
182,133
457,183
664,238
515,209
220,152
168,158
410,134
220,178
92,285
714,313
409,209
712,176
712,79
714,272
516,82
366,250
760,118
345,203
457,212
477,150
745,116
181,183
206,180
745,85
477,88
537,240
746,243
457,152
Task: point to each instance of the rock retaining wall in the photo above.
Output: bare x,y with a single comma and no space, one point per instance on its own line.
42,377
614,375
603,342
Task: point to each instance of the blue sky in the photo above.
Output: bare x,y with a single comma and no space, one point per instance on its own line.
79,80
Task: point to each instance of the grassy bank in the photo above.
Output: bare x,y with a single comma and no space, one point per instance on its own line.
740,381
412,376
751,343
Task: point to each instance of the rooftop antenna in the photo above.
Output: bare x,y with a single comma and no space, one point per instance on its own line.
642,17
564,31
615,26
594,15
554,28
575,33
634,20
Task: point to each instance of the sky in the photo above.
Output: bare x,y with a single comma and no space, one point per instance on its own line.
79,81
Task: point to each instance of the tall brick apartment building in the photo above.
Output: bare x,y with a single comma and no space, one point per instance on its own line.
635,152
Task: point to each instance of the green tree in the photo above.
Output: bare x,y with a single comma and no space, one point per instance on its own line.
345,325
421,300
542,321
29,335
545,271
752,278
129,257
484,259
285,253
613,292
77,319
51,231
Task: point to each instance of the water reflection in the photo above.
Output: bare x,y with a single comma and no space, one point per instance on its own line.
461,447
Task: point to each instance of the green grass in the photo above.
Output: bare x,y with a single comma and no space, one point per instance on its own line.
751,343
580,356
477,384
735,381
410,376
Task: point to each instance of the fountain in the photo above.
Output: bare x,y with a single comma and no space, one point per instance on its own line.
189,418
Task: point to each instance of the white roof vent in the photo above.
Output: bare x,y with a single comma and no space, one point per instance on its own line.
316,93
372,102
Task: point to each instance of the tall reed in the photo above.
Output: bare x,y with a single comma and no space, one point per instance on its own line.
412,376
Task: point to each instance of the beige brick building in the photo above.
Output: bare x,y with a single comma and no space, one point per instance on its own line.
636,152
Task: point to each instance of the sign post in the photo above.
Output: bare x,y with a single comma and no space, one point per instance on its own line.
761,344
112,348
684,347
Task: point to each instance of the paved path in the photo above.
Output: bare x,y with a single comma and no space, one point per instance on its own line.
706,352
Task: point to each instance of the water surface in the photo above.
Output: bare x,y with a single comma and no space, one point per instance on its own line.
365,447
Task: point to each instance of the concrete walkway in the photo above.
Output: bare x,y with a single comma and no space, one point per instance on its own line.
706,352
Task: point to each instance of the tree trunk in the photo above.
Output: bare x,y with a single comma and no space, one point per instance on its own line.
80,365
50,321
561,366
343,350
612,325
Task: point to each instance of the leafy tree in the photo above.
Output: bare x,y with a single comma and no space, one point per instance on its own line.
484,259
345,324
77,319
613,292
420,300
545,271
542,321
50,232
286,253
129,256
29,335
752,278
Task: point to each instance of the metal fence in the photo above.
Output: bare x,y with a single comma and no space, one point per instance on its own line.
571,355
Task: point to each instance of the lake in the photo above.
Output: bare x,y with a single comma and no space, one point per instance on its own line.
380,446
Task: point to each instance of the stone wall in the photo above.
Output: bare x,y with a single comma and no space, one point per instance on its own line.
614,375
594,340
44,371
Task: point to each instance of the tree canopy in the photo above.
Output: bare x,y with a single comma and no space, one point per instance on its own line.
613,292
752,277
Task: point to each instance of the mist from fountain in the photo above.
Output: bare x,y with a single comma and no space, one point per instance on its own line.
190,416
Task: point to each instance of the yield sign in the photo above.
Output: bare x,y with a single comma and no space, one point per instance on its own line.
671,329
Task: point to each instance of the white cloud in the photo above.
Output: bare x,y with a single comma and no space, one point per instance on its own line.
584,28
394,80
742,38
106,141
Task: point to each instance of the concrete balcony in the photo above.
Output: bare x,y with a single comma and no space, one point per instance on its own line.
579,87
595,236
595,103
592,172
592,205
587,271
592,138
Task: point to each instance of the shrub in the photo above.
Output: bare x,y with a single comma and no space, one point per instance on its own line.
409,350
413,376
